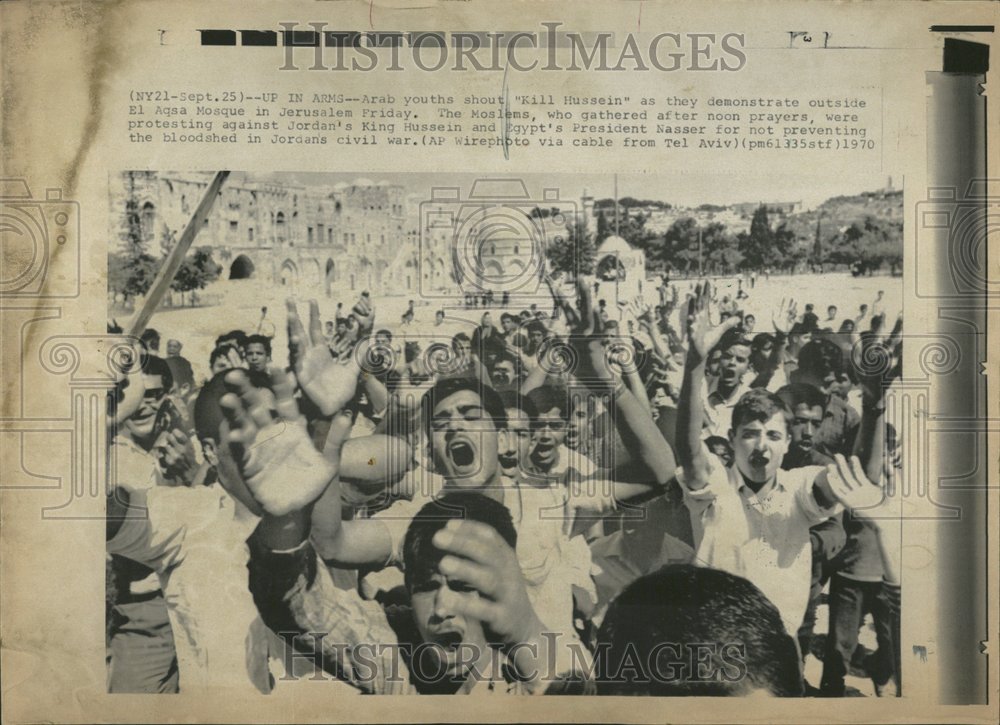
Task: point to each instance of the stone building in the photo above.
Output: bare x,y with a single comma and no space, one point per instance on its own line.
308,237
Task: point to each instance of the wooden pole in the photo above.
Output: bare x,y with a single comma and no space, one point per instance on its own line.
173,260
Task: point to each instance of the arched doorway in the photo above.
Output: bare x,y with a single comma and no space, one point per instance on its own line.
289,273
331,275
242,268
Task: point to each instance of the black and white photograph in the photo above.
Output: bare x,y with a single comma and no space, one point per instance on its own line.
446,434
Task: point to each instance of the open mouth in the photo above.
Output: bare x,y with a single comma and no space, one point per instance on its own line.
448,641
461,453
759,460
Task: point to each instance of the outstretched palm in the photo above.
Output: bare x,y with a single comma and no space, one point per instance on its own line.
701,332
267,439
330,383
784,317
877,361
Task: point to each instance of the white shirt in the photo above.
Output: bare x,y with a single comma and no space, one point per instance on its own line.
718,411
195,539
763,537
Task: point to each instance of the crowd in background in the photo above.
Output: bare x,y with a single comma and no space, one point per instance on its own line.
571,498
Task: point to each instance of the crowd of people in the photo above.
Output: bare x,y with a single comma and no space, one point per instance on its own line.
649,499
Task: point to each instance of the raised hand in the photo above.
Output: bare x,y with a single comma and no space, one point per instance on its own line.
784,317
268,441
476,555
701,332
330,383
641,311
364,310
851,487
877,362
177,457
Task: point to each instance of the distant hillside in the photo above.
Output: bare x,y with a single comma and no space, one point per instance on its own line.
842,211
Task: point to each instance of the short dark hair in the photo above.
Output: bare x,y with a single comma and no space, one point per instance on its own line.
421,557
760,340
547,397
154,365
460,337
385,333
261,340
536,326
758,405
513,399
665,615
796,394
821,357
732,338
448,386
150,338
208,415
220,351
237,336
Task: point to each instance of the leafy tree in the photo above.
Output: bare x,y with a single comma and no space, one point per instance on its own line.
196,271
574,252
131,275
870,244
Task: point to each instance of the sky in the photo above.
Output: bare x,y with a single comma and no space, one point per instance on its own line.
690,189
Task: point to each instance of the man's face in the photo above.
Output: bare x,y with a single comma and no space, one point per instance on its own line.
713,362
536,337
548,433
759,447
382,340
486,320
173,348
508,324
464,440
256,357
734,363
221,363
748,322
503,373
140,425
462,348
578,426
434,611
843,386
329,328
518,441
831,312
341,328
761,354
805,422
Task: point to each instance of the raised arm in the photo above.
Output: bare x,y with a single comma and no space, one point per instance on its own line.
349,544
702,337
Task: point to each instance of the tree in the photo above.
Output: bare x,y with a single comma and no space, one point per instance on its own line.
756,245
574,253
870,244
195,272
131,271
131,275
